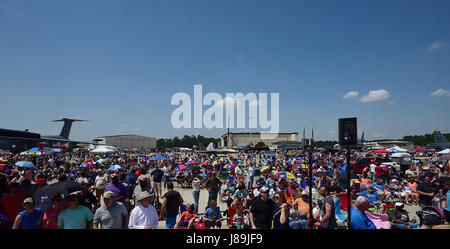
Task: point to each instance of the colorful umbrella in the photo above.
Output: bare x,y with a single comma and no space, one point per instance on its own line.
285,175
180,168
4,159
115,167
264,168
25,164
228,167
87,165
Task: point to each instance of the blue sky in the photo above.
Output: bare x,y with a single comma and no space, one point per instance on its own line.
118,63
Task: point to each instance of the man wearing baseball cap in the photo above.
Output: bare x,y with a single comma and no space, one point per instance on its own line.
301,206
75,216
111,215
143,216
400,217
30,218
262,210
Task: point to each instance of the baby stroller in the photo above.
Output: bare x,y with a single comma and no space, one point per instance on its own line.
431,211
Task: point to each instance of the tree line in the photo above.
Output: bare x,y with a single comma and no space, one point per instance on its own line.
423,140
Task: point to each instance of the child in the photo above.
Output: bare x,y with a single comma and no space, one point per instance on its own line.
213,218
238,218
187,218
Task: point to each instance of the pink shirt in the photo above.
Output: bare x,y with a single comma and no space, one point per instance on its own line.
52,213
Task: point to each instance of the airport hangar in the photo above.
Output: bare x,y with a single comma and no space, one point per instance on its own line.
128,142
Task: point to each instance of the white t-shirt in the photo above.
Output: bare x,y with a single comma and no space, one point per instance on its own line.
251,171
99,180
82,180
166,169
372,168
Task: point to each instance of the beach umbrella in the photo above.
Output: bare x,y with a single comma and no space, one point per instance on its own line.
100,161
264,168
419,149
228,167
180,168
157,158
285,175
115,167
25,164
64,188
87,165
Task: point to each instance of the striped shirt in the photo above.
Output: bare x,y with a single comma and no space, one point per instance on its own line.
111,218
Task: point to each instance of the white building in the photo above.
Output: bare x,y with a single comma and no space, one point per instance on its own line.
128,142
234,139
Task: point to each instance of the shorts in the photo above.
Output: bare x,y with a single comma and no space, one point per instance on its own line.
212,223
184,223
171,221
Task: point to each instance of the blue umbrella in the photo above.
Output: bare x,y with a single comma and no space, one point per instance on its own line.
203,175
100,161
25,164
115,167
157,158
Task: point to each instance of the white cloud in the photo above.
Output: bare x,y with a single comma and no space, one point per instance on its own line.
351,94
440,92
375,95
435,45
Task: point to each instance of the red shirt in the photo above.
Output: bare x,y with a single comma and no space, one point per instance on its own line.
13,205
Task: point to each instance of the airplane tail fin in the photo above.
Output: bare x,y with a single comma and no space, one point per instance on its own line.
65,132
439,138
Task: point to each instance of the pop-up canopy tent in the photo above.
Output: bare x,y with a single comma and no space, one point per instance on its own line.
381,151
446,151
419,149
396,149
102,149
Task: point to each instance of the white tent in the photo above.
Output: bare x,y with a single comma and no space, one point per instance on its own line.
103,149
446,151
400,154
396,149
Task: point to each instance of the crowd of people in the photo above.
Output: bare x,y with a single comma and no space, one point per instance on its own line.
260,190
